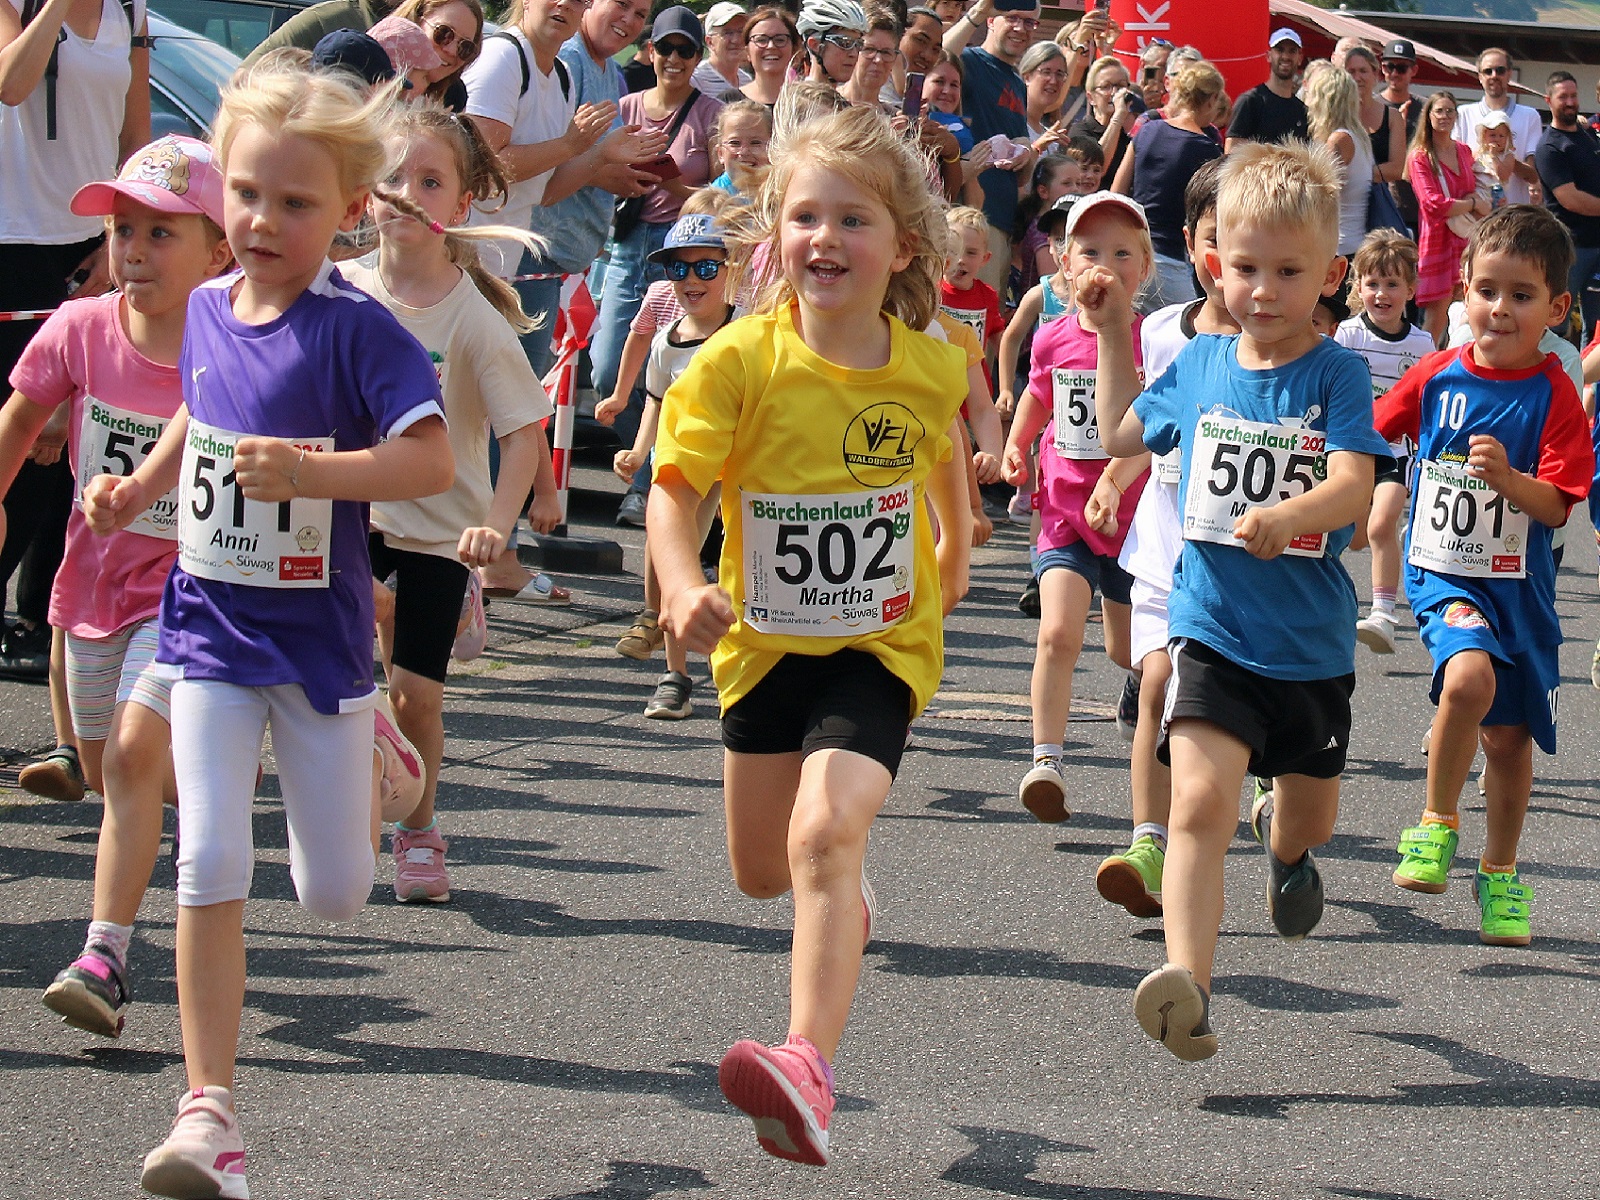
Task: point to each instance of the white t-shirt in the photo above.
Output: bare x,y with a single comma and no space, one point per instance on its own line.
1526,130
489,389
1388,356
541,113
38,176
1155,537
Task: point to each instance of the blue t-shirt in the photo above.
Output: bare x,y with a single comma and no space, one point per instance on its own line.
1287,617
1535,413
957,125
576,227
996,101
336,365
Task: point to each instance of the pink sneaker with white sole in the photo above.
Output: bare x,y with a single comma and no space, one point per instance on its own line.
400,789
204,1153
787,1091
419,872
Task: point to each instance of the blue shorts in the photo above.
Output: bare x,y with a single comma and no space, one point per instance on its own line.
1101,570
1526,684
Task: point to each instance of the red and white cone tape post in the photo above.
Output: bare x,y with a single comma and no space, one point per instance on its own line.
36,314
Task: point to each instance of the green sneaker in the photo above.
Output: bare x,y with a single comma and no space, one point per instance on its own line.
1505,902
1133,878
1426,852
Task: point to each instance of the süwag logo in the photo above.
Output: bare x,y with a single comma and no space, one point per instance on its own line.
880,444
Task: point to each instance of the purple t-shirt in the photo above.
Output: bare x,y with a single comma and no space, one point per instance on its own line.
336,365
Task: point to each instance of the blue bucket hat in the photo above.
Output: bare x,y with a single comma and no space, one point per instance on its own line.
696,230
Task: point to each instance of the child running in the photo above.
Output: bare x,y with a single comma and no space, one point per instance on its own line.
303,400
113,362
695,258
962,294
1080,485
1504,453
826,419
467,320
1385,268
1132,877
1275,425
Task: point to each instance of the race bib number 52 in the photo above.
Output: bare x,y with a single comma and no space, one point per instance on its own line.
224,536
115,441
1462,526
828,566
1077,431
1237,465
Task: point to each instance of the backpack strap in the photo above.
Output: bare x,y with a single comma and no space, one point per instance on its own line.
52,69
522,58
563,76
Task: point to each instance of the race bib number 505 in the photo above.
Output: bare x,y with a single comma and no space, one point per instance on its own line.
1237,465
224,536
828,566
115,441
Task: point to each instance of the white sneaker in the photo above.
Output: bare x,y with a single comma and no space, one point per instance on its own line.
1594,666
204,1153
1043,792
1376,632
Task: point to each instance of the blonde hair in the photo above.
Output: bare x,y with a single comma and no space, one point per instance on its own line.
1333,102
478,170
859,144
1292,186
415,10
1193,86
965,217
800,101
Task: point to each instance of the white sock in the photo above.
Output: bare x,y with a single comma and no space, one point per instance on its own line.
1046,750
109,937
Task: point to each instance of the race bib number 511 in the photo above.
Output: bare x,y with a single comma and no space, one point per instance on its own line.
225,537
1237,465
828,566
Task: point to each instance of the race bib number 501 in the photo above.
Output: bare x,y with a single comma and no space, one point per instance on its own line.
1237,465
828,566
1462,526
224,536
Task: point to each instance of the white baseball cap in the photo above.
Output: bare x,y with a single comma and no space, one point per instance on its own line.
1087,204
1285,35
721,13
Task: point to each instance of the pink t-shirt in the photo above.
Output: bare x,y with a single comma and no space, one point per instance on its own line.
1065,484
657,310
82,356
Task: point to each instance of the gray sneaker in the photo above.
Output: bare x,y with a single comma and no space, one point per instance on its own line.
1294,890
1171,1008
671,699
631,510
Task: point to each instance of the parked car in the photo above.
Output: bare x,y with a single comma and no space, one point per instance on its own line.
187,72
240,25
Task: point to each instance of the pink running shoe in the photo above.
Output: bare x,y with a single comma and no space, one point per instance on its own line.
472,634
419,872
787,1091
204,1153
400,789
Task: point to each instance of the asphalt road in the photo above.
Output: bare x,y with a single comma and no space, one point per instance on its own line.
553,1032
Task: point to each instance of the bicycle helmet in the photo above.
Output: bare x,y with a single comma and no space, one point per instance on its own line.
820,17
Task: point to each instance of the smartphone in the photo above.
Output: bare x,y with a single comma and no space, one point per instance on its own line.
1015,5
912,104
663,168
1136,102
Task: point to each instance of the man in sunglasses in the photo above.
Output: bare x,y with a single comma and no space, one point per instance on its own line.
1270,111
1494,73
995,99
1399,68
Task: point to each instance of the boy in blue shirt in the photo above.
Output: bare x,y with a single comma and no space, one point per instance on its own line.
1275,428
1503,454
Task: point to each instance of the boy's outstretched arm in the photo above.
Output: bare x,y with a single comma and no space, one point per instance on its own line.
1338,501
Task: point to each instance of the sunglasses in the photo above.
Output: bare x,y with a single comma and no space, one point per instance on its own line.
847,44
705,269
444,37
1494,70
684,50
1399,66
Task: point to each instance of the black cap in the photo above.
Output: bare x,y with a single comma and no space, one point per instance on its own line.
1338,307
681,21
352,51
1400,49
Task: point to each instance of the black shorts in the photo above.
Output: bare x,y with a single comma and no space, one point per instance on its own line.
427,605
847,700
1293,727
1390,469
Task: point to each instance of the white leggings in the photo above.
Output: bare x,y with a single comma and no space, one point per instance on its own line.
325,767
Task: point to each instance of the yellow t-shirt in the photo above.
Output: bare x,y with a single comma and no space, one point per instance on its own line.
959,333
823,470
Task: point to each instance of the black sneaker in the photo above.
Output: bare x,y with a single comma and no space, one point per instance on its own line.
25,653
1028,602
671,701
91,994
1128,708
1294,890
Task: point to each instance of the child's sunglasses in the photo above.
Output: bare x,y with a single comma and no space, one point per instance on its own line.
704,268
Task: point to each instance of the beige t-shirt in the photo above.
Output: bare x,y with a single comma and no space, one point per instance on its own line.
487,386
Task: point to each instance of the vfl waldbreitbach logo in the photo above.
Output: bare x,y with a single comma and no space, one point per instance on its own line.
880,444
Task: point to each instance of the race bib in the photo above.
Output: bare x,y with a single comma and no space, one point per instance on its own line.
828,566
1169,468
972,318
1462,526
1077,432
223,536
115,441
1237,465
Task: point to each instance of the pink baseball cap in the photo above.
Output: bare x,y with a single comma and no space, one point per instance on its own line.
173,174
408,45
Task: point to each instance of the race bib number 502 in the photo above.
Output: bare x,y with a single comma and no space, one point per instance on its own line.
224,536
828,566
1237,465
